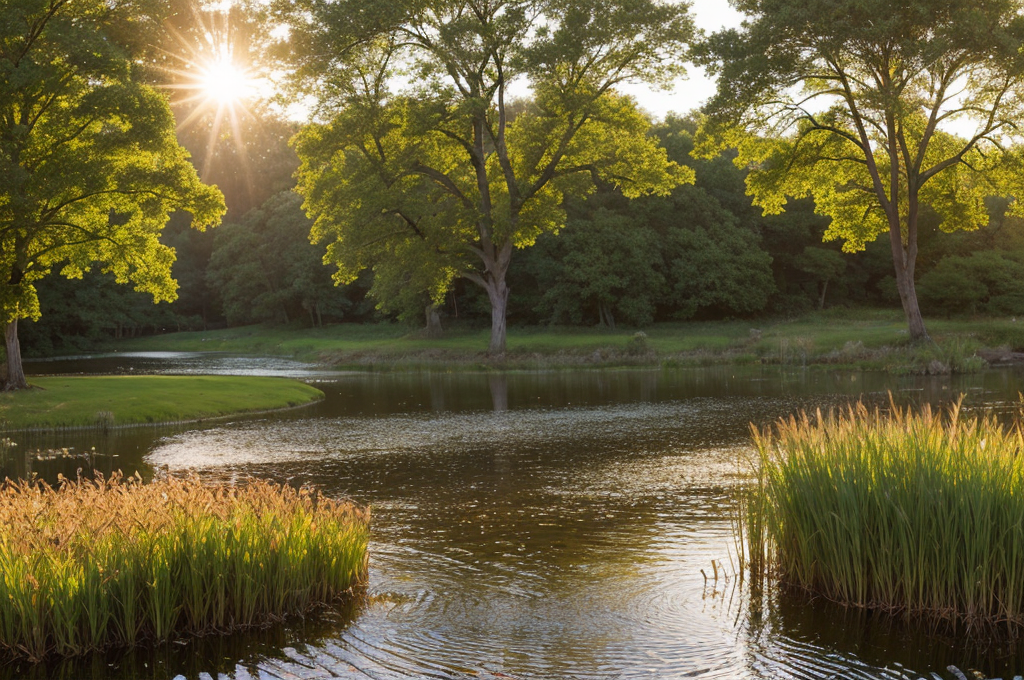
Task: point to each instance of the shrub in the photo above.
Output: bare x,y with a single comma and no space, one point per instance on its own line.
986,282
94,564
920,512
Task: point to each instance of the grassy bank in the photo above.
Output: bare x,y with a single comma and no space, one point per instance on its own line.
914,512
872,339
125,400
115,563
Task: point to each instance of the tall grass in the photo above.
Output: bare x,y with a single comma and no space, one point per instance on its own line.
914,511
93,564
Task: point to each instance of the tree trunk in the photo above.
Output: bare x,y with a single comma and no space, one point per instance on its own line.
607,319
433,329
824,289
908,296
904,261
497,292
15,371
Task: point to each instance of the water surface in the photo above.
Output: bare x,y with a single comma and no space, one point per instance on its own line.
532,525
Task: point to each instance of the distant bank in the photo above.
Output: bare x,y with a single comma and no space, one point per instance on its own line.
864,339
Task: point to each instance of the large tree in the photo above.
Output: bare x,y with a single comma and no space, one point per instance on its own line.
89,166
448,132
876,108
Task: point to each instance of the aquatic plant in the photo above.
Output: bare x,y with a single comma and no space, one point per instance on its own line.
917,511
93,564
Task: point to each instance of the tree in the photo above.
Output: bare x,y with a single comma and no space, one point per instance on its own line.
266,270
986,281
447,177
824,265
604,265
249,160
871,134
79,314
89,166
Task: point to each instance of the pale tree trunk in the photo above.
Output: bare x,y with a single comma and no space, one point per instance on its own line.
15,370
821,299
904,261
497,293
433,329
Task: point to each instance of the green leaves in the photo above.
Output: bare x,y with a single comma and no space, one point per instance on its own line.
855,103
447,176
91,166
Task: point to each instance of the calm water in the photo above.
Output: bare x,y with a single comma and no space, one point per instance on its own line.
530,525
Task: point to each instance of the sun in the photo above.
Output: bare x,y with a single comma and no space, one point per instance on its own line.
223,82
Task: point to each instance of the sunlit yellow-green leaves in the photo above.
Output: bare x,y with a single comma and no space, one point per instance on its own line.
91,165
448,175
873,109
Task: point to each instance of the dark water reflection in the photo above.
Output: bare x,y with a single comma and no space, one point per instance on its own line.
541,525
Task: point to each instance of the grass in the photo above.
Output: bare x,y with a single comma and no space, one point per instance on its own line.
116,562
911,511
872,339
104,401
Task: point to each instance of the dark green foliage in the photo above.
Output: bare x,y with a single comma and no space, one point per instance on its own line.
715,266
987,281
674,257
264,269
604,266
80,314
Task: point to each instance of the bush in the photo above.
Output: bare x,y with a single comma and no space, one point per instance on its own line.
113,562
985,282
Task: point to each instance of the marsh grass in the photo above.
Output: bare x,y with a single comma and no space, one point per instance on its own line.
913,511
96,564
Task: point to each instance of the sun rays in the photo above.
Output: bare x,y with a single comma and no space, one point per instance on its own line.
212,80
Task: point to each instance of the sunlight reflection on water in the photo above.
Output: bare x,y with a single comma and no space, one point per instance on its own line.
546,525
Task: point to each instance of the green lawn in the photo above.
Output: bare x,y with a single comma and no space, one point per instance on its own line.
125,400
809,335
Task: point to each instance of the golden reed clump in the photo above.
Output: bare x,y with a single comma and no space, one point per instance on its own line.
913,511
106,562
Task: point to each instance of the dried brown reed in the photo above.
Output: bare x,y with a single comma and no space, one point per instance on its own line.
98,563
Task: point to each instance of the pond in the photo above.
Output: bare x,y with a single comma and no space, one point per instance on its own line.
528,525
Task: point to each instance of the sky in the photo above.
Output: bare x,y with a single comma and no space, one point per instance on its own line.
692,91
688,93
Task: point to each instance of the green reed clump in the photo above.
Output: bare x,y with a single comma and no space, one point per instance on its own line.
93,564
913,511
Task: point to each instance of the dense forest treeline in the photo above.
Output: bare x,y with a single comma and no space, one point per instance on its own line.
703,252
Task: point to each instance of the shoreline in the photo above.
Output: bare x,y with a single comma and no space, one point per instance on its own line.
165,423
113,402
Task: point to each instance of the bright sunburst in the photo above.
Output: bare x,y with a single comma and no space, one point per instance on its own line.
213,82
223,82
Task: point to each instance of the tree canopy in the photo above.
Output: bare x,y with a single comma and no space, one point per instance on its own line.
90,166
448,133
877,109
265,268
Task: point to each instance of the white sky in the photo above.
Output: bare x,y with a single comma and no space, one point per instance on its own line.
688,93
696,88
